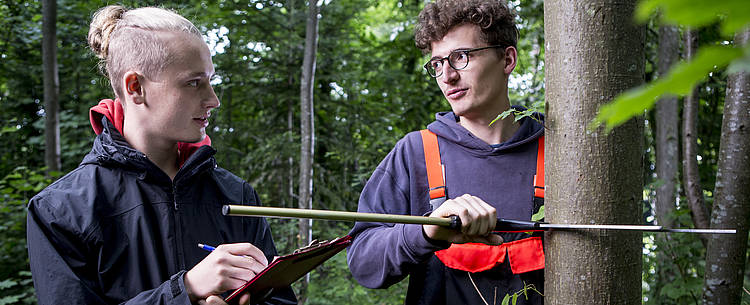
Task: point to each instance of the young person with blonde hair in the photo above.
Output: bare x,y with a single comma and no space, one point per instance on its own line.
123,227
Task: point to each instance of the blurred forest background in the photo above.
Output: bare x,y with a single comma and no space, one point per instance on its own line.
369,91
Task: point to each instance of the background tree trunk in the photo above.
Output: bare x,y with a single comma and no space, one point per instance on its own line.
667,150
691,177
51,86
725,254
307,130
667,145
594,51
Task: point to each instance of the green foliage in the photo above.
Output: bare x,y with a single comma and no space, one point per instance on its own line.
512,299
680,81
537,106
15,191
526,85
677,276
731,15
538,216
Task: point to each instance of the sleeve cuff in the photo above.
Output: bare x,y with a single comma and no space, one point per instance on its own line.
419,243
177,288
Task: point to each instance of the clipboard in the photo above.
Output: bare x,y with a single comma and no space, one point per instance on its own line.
285,270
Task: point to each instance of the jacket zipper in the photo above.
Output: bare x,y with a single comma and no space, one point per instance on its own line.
178,234
174,196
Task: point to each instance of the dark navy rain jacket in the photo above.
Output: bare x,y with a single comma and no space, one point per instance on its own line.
117,229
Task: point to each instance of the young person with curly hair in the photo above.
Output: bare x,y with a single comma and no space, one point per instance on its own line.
488,170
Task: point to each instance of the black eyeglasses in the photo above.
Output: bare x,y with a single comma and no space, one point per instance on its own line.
458,60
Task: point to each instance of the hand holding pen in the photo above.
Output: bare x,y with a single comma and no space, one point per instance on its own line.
226,268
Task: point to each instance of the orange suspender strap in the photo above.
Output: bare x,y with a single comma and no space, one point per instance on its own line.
434,168
539,176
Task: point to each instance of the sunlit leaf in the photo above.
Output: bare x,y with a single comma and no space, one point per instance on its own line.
733,15
506,300
681,79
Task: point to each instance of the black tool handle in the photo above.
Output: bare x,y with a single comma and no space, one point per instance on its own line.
503,225
512,225
455,223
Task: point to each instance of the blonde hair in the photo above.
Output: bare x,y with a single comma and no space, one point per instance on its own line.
125,40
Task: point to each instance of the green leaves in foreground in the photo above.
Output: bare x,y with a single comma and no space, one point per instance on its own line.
679,81
733,14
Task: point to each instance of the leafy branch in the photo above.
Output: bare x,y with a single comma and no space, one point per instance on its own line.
512,299
537,106
732,15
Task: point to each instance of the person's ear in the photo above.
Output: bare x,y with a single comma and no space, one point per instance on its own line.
133,87
511,57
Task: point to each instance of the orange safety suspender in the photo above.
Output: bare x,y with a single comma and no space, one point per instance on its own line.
435,176
539,176
525,254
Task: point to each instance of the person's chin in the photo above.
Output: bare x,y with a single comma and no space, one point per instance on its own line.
195,139
458,109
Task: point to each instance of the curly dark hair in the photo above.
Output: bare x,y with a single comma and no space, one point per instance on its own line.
493,17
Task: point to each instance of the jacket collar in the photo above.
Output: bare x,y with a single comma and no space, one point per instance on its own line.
110,149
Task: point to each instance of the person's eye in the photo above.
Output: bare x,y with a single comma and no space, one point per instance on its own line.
193,83
436,64
459,56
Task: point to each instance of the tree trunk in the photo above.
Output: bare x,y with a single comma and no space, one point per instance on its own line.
667,145
594,52
307,130
667,151
51,86
725,255
691,177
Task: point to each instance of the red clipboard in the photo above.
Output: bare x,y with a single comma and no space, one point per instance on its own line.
285,270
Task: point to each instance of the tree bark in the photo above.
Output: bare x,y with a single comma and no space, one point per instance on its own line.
307,130
594,51
51,86
691,177
667,144
667,150
725,255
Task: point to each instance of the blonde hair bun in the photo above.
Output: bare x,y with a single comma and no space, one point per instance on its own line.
102,24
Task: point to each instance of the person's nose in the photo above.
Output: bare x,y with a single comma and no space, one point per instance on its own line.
450,75
211,101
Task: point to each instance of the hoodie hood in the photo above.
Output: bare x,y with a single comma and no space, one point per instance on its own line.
112,110
446,126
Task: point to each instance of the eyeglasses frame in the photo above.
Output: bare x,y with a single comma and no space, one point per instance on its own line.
450,63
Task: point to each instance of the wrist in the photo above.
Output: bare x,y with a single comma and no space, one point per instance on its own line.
433,241
189,289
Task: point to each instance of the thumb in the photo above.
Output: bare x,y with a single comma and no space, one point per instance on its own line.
215,300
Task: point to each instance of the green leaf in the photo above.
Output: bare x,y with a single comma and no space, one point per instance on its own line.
11,299
538,215
7,284
506,300
733,15
679,81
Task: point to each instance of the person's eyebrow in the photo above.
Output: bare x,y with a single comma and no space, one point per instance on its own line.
198,74
454,50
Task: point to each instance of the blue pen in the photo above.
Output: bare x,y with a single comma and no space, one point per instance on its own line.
206,247
210,248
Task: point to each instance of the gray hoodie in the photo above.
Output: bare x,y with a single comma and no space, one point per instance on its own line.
501,175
